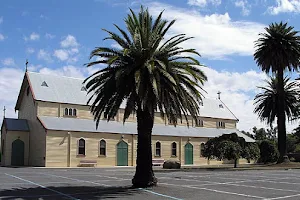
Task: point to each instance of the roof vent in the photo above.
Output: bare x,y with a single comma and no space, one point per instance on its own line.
83,88
201,103
221,106
44,84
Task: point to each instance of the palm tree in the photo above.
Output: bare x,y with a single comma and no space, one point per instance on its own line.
151,74
267,106
278,50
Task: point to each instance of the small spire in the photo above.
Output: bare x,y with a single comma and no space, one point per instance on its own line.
219,95
4,109
26,65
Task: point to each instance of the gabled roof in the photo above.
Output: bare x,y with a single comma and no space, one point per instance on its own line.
68,90
16,124
85,125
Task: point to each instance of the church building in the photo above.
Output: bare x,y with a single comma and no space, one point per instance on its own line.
55,128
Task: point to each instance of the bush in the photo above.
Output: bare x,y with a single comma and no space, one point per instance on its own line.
268,152
171,164
251,152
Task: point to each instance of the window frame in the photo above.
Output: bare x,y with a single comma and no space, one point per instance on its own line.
84,147
220,124
74,112
199,124
202,146
158,148
66,112
100,147
173,149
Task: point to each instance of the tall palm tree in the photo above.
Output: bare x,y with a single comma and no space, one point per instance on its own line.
151,74
267,101
278,50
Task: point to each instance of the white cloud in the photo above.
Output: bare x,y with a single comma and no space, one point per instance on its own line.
30,50
1,37
49,36
61,54
10,83
285,6
69,41
203,3
1,20
33,36
243,4
9,62
44,55
216,35
68,70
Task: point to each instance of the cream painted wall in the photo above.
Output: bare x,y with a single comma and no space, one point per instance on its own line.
37,137
10,137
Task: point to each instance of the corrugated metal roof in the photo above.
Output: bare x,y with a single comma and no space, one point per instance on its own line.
69,90
85,125
16,124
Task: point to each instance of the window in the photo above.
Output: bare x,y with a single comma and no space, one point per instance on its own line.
70,111
66,111
2,147
199,122
81,147
220,124
83,88
221,106
102,148
201,149
28,90
44,84
157,149
174,149
74,112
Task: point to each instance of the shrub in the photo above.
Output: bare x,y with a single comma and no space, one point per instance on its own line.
171,164
251,152
268,152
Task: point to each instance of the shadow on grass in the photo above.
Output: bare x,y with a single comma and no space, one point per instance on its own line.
68,192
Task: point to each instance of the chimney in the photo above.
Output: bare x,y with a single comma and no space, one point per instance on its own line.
219,95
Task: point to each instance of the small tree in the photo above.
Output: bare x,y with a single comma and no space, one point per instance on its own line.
230,150
251,152
268,152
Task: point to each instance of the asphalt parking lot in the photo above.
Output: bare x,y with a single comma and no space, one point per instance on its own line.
115,183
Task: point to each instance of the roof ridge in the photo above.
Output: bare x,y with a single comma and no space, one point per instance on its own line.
62,76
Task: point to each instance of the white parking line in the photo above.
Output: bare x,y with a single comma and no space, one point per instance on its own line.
74,179
285,197
213,190
44,187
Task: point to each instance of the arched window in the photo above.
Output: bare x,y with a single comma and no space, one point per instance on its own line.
81,147
201,149
66,111
70,111
74,112
199,123
157,149
174,149
102,148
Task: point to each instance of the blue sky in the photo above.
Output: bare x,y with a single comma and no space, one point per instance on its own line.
57,37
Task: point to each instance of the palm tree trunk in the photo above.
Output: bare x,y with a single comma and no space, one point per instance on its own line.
281,119
144,176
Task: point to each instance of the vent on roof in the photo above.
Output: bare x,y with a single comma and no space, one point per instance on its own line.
83,88
221,106
201,103
44,84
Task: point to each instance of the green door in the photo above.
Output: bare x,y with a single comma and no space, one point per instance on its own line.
188,154
17,153
122,154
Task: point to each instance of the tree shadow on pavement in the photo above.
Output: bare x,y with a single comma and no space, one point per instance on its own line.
68,192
